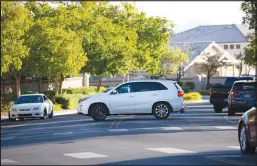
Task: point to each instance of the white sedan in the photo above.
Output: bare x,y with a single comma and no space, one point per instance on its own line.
31,106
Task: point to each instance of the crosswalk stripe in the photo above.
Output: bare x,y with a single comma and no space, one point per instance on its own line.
225,127
117,130
171,128
8,161
84,155
171,150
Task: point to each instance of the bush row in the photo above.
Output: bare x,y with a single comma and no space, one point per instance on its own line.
192,96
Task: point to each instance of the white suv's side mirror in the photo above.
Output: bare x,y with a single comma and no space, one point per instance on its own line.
114,92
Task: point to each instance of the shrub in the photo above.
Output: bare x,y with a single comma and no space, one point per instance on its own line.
205,92
191,85
85,90
68,101
5,107
51,94
192,96
57,107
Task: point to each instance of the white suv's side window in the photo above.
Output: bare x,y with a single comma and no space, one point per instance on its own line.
124,89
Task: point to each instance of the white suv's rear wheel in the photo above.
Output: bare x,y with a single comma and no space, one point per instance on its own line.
161,110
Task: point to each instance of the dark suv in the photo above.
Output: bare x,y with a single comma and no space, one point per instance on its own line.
242,96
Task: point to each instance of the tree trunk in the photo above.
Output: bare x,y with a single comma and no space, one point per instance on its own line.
39,84
99,84
60,84
18,85
240,68
208,81
83,80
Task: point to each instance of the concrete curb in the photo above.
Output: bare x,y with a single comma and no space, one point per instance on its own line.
56,113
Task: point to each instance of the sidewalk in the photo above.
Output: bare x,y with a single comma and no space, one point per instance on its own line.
56,113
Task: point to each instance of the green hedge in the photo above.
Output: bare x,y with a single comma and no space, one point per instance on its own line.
57,107
192,96
68,101
191,85
86,90
205,92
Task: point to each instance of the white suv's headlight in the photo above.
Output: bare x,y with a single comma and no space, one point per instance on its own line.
83,99
36,108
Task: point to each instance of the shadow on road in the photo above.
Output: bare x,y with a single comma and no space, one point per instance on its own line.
231,157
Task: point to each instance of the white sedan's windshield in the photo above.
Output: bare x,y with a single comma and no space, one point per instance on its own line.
29,99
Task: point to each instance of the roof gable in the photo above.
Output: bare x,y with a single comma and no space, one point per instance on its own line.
217,33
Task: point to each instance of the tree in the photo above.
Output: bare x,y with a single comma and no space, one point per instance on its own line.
210,66
169,62
249,7
239,66
15,22
55,52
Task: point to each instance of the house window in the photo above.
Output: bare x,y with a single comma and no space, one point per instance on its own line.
238,46
225,47
231,47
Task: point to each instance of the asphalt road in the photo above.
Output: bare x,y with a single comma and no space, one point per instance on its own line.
197,137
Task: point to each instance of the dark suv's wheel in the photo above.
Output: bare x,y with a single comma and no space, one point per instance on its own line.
218,109
243,141
231,112
99,112
161,110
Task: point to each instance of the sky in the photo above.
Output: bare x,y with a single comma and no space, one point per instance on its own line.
186,15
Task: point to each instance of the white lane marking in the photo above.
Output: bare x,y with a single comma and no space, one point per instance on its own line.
117,130
84,155
148,128
8,161
6,138
199,106
234,147
171,150
225,127
64,133
171,128
221,156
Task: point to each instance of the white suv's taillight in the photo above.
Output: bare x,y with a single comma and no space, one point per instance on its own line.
180,93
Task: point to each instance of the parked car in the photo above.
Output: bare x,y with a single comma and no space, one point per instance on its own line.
242,96
31,106
247,131
219,93
150,97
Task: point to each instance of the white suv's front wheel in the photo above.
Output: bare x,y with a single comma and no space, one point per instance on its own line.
99,112
161,110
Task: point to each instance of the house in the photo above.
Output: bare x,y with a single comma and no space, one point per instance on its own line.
229,40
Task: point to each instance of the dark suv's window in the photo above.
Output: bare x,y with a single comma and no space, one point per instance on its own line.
147,86
245,86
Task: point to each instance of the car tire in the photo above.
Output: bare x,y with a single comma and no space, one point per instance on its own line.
217,109
99,112
243,141
51,114
161,110
11,119
45,115
231,112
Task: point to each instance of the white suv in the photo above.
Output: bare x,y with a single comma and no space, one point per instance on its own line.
157,97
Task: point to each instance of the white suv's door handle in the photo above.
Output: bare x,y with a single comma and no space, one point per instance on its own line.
131,96
155,94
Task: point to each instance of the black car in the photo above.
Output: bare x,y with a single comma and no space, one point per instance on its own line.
242,96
